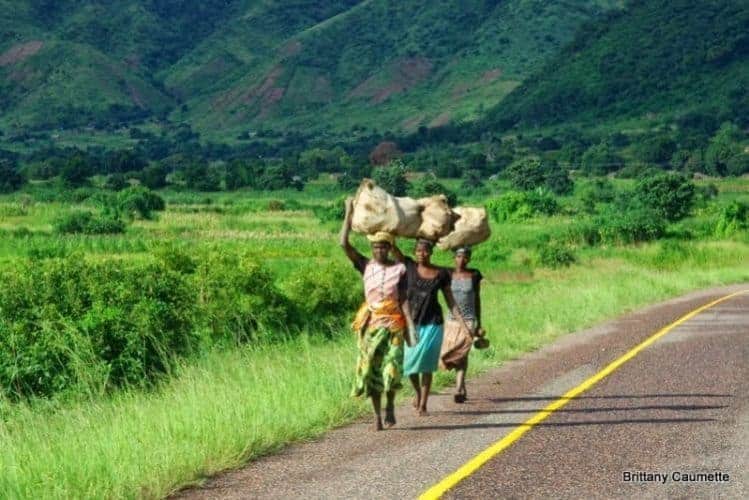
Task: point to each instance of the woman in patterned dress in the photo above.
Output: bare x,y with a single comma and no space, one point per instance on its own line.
382,323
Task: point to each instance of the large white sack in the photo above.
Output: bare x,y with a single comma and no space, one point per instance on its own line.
471,228
437,218
376,210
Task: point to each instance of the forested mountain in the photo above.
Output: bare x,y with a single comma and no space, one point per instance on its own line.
667,60
233,66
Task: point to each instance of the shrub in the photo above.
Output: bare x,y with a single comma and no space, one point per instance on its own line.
732,219
429,186
332,212
616,226
324,293
392,178
73,325
10,179
238,300
87,223
138,201
670,196
600,160
555,255
516,206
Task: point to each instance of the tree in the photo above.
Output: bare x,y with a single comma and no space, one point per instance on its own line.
392,178
10,179
75,171
384,153
655,149
154,176
236,175
199,176
670,195
723,145
116,182
526,173
429,186
600,159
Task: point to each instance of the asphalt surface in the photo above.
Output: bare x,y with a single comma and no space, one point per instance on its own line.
678,409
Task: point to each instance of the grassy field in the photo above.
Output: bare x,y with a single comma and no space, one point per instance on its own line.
226,405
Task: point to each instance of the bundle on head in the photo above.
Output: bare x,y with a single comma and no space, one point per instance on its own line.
471,228
376,210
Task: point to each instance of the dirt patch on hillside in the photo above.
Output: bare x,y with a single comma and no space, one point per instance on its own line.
291,49
403,75
20,52
486,78
440,120
412,124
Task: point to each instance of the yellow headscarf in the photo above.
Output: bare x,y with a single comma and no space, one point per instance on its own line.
381,237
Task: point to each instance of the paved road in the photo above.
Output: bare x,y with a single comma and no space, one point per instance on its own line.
681,406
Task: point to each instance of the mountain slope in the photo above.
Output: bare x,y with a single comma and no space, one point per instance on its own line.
394,65
229,66
658,58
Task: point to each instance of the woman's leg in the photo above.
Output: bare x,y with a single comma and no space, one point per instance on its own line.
460,382
376,404
426,385
417,389
390,409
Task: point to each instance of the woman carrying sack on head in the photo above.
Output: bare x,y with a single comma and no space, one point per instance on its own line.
382,323
460,333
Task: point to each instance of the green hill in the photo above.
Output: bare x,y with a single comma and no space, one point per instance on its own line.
657,61
232,66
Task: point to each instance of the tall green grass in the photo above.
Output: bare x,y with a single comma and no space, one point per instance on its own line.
231,406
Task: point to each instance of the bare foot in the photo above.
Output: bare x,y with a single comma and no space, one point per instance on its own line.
415,402
378,424
389,417
423,412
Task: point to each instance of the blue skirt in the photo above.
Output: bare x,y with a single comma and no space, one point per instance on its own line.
425,355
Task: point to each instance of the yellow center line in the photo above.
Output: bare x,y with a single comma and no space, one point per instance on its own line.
476,462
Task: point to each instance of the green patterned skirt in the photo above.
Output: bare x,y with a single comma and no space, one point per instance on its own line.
380,363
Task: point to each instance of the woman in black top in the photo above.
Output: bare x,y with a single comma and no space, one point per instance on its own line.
425,280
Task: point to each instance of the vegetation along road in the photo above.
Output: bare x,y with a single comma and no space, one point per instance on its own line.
653,404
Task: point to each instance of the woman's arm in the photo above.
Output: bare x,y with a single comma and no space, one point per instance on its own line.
397,254
479,329
355,257
406,308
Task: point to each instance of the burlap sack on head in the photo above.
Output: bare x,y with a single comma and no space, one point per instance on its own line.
376,210
437,218
471,228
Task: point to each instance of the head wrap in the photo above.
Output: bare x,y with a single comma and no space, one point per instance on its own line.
381,237
465,249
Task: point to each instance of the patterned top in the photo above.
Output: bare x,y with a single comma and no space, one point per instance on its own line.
464,291
382,283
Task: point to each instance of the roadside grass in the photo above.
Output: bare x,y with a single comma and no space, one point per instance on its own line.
232,406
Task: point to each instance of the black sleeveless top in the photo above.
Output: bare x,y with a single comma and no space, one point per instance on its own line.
422,295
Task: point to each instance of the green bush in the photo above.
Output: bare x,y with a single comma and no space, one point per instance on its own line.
732,219
139,202
516,206
671,196
238,299
331,212
83,222
555,255
616,226
324,292
70,325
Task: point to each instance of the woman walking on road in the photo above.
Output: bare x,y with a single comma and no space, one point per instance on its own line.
424,282
459,335
381,322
